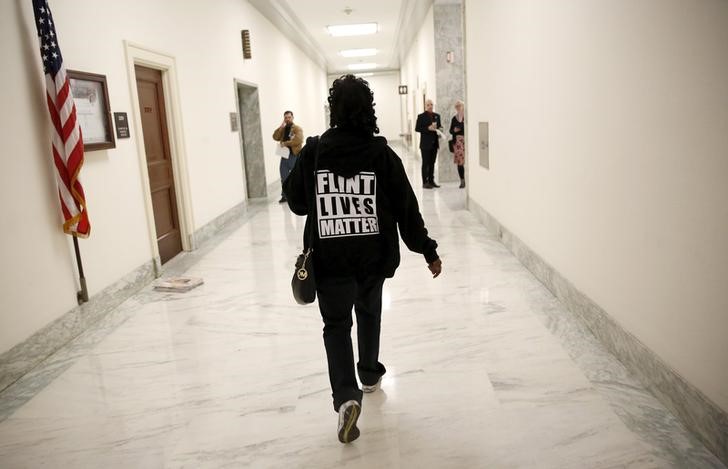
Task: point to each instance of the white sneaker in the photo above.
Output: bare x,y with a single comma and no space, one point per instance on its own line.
348,415
372,387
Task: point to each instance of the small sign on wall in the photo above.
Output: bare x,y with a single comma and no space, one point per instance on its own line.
122,125
484,144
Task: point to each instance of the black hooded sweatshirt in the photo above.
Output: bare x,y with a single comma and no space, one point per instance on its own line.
362,195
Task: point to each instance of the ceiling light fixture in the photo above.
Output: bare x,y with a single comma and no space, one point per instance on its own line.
365,74
358,52
352,29
364,66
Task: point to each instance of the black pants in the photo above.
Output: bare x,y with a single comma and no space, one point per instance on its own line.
429,156
336,296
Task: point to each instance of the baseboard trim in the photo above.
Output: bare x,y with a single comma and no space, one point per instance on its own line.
274,188
699,414
210,229
25,356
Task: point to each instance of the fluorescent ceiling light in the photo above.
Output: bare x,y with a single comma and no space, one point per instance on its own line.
366,66
365,74
352,29
358,52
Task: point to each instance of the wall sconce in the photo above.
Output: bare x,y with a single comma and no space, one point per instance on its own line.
245,35
402,89
450,56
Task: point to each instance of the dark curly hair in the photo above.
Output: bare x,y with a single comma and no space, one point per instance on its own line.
352,105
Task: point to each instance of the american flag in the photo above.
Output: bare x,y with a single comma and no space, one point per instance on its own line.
67,141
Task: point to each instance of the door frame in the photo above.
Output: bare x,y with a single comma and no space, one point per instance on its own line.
140,55
241,137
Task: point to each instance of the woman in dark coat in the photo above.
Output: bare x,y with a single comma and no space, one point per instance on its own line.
354,191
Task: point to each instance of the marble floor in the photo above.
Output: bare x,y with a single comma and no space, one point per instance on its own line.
486,370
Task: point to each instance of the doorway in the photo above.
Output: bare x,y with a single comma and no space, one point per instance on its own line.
251,140
153,112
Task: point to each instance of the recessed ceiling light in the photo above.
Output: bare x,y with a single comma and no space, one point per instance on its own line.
365,66
358,52
352,29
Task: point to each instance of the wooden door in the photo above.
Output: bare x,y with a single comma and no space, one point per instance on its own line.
159,162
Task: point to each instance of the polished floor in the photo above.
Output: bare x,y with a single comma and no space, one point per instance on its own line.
486,370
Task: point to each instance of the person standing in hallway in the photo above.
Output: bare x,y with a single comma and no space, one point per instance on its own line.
290,137
457,130
355,191
428,124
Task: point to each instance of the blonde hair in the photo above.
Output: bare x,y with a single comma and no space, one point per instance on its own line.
459,103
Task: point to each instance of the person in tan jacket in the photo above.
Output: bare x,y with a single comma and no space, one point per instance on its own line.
290,136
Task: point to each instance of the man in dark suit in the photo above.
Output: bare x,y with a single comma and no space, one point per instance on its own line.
427,124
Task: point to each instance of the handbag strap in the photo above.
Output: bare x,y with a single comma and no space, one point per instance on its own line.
312,205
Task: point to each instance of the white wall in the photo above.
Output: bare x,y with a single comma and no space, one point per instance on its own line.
609,158
387,100
38,281
418,73
385,87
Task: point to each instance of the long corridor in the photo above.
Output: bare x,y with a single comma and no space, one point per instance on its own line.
485,369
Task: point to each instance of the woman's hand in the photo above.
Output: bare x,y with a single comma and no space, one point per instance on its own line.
435,267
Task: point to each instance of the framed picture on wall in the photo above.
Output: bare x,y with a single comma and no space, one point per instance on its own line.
93,112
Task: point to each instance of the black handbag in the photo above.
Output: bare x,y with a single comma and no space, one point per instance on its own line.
451,145
303,282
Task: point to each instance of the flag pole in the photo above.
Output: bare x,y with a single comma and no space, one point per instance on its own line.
67,138
81,296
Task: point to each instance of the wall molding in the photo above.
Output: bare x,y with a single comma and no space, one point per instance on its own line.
211,228
705,419
274,189
284,18
25,356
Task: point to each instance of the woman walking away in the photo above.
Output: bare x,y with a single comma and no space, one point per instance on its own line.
356,194
457,129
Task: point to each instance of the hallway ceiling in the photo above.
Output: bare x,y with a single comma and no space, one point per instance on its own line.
317,14
305,21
